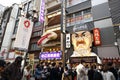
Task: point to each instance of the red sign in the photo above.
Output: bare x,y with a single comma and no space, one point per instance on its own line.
96,34
26,23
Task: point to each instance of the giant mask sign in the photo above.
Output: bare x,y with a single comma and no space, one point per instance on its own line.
82,42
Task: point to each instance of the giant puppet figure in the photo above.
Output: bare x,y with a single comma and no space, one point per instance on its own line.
82,42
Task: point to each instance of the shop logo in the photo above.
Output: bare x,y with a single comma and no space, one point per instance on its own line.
26,23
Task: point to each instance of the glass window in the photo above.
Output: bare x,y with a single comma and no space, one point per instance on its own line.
78,14
16,27
37,24
30,6
34,46
38,33
87,11
0,33
25,7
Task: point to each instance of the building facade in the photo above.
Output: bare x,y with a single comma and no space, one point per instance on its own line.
8,28
53,24
90,14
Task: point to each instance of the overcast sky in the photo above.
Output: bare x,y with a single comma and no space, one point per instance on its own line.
9,2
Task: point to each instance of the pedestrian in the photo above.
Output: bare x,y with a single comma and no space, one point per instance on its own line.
38,72
119,74
2,66
81,72
53,72
66,74
27,72
60,71
91,72
13,71
107,75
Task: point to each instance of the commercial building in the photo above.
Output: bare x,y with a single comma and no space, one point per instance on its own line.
63,18
90,14
8,24
53,24
21,15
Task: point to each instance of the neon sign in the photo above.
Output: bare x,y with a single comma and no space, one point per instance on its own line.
50,55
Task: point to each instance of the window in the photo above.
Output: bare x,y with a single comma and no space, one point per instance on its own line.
0,33
30,6
38,33
16,27
0,28
87,11
25,7
34,46
78,14
37,24
79,17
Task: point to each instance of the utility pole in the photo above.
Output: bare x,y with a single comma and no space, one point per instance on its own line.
63,30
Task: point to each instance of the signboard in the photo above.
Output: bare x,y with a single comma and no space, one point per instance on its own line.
42,8
86,59
68,45
23,33
63,17
96,34
50,55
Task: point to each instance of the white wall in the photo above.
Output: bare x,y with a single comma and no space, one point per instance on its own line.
9,30
97,2
103,23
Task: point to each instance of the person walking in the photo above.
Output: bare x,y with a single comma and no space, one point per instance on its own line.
13,71
107,75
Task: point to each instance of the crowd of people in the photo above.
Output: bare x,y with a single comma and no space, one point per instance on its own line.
56,71
11,71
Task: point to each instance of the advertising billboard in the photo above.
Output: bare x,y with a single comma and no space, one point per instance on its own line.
23,33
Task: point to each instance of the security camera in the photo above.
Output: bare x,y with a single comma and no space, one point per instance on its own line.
34,9
20,6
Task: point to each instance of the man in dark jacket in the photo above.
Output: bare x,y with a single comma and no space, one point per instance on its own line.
13,71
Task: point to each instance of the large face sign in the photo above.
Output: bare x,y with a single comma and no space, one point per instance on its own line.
82,40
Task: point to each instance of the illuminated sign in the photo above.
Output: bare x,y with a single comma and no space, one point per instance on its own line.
96,33
68,41
50,55
42,8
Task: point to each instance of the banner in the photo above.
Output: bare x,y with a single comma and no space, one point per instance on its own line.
42,12
23,34
96,34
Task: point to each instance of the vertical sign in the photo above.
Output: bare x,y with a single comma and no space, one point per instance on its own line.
63,16
31,60
97,40
68,41
23,33
42,8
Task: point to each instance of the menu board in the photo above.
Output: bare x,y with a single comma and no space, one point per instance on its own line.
86,59
50,55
